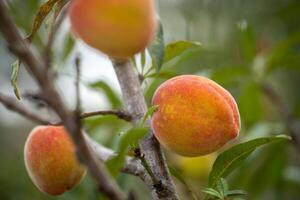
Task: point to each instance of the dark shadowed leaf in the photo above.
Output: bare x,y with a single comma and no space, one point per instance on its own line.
180,178
247,41
231,158
157,49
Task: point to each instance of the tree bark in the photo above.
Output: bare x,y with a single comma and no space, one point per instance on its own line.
162,184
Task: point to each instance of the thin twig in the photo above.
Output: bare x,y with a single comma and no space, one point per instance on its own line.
11,104
119,113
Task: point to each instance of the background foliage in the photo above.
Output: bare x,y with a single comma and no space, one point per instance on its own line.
241,45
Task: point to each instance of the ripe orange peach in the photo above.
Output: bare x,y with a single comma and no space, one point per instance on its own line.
118,28
196,116
51,161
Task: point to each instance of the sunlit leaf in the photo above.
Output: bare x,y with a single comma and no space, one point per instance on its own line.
231,158
68,46
14,78
149,113
110,93
175,49
131,137
212,192
143,59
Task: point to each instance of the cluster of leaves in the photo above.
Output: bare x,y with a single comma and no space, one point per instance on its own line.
222,192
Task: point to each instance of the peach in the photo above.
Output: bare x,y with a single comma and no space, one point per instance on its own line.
51,161
195,117
118,28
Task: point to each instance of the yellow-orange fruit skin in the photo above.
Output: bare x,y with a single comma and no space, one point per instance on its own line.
195,117
118,28
51,161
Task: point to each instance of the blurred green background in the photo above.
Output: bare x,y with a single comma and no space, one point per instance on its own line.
245,45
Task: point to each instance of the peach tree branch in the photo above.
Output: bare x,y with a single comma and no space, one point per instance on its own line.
149,147
38,69
131,166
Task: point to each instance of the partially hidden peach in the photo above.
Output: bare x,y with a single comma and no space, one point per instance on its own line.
196,116
51,161
118,28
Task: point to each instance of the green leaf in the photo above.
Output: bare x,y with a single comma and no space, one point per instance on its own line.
149,113
44,10
191,60
222,187
180,178
68,46
250,102
14,78
247,41
284,54
175,49
232,158
157,49
212,192
131,137
235,193
110,93
143,59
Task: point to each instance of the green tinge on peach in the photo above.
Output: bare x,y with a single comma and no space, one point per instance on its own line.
50,160
196,116
118,28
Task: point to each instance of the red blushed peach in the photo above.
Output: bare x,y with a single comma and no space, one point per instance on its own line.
51,161
118,28
196,116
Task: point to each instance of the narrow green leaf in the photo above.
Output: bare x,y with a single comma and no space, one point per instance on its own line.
149,113
283,53
157,49
131,137
133,61
231,158
180,178
212,192
247,41
68,46
236,193
110,93
175,49
143,59
14,78
44,10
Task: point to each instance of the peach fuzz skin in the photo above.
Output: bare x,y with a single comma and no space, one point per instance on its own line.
51,161
118,28
195,117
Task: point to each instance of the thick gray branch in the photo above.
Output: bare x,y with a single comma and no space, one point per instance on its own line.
162,184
